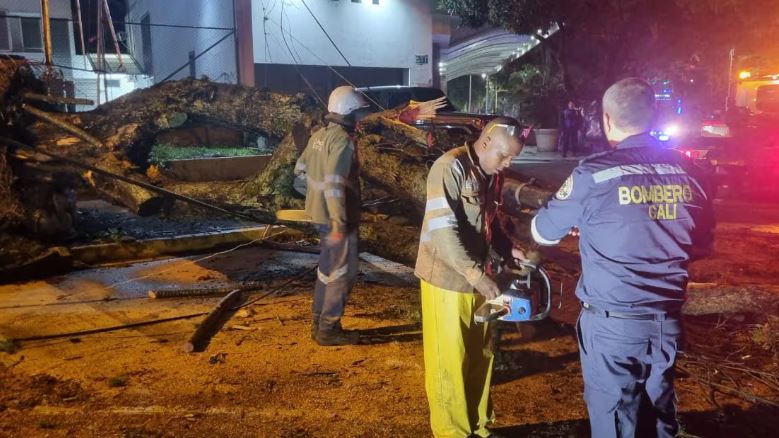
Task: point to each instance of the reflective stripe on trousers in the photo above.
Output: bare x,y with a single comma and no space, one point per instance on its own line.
338,268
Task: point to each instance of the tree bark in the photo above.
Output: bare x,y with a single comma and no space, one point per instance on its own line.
395,157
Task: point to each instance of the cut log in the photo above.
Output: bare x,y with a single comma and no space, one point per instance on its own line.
36,97
518,195
65,126
213,322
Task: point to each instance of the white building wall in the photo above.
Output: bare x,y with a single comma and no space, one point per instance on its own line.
57,8
85,82
171,45
391,34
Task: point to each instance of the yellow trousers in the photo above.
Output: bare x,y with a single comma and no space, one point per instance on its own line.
458,363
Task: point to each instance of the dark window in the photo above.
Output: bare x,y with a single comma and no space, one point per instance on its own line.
395,99
60,38
31,34
146,45
768,98
112,83
192,70
5,33
287,78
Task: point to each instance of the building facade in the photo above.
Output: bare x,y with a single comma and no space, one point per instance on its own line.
21,34
175,39
368,42
21,31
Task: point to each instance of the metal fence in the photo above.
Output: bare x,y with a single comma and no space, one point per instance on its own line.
142,54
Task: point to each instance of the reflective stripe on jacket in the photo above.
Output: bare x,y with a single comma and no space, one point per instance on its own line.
330,165
643,213
453,246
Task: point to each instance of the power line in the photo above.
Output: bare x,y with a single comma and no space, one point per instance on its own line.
326,34
292,37
199,55
297,67
293,45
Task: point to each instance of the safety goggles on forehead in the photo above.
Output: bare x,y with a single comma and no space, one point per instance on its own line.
510,129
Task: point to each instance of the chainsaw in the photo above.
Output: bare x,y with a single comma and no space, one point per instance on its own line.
528,297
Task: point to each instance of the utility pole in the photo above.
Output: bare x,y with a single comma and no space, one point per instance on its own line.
731,55
46,31
486,94
470,87
495,104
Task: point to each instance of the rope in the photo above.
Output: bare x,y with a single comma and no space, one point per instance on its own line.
280,288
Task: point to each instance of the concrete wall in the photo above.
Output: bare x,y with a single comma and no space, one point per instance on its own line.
390,34
171,46
85,83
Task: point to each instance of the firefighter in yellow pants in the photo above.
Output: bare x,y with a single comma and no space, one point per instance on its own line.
458,363
463,191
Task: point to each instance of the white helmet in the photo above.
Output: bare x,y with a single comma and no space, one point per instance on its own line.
344,100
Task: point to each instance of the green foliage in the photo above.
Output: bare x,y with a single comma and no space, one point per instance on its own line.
457,91
686,41
539,95
162,153
766,335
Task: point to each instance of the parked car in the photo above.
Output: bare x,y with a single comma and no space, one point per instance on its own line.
448,118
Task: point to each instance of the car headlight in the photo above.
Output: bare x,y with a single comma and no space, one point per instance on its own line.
671,130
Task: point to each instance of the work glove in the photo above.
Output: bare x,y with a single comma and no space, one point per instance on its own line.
487,287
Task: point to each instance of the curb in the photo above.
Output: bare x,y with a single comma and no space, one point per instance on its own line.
104,253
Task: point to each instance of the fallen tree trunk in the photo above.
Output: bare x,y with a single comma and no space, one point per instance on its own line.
122,132
395,156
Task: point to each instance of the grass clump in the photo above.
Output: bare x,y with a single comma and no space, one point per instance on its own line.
161,153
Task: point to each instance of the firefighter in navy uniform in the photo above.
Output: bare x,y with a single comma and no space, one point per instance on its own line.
642,214
331,169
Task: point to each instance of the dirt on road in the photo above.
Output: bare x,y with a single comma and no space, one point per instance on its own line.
262,375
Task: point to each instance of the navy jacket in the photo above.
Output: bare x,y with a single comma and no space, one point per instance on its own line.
643,213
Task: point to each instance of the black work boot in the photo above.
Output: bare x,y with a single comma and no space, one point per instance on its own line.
337,336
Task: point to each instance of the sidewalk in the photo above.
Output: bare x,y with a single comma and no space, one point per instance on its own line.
530,154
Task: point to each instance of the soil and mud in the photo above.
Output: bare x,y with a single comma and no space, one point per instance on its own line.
263,376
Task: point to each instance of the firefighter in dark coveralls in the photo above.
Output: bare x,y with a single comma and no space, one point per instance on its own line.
463,192
642,213
330,165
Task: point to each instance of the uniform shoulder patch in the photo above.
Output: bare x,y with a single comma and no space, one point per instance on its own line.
565,190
